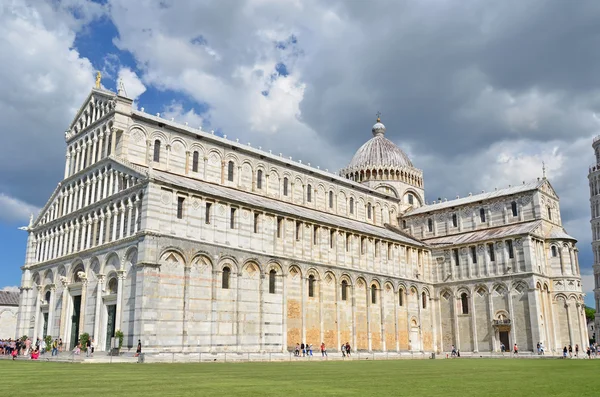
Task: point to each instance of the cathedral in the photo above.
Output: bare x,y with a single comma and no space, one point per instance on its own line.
192,242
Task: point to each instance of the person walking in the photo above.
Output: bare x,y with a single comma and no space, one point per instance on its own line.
515,349
309,350
297,351
88,347
303,348
323,350
348,349
565,352
576,351
570,351
589,352
138,351
343,349
55,347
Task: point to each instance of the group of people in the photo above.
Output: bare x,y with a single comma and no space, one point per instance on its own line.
25,347
307,351
590,351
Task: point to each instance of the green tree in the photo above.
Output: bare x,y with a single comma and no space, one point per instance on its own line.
590,313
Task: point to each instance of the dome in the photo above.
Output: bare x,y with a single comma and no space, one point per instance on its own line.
379,152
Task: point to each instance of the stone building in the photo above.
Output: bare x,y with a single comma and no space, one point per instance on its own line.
9,306
193,242
594,181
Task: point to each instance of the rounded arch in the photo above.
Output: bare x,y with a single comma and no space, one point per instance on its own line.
314,272
375,281
330,276
273,265
161,136
176,251
95,267
111,261
294,269
463,290
231,156
134,128
386,188
231,263
49,277
560,297
250,266
197,147
78,272
36,279
345,277
361,282
414,322
180,140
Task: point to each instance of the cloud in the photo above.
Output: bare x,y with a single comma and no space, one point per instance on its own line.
13,210
43,82
11,288
131,82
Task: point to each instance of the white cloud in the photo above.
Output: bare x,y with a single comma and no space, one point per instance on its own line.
14,210
11,288
132,83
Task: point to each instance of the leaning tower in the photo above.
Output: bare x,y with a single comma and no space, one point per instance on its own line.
594,179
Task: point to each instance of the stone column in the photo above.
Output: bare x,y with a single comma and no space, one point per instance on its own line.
130,218
569,319
455,320
534,315
101,231
77,159
51,306
304,293
38,298
354,336
491,317
94,148
94,230
115,221
474,323
138,204
369,336
76,236
80,198
67,165
113,142
238,327
94,189
204,170
338,299
64,310
100,145
284,312
396,302
582,326
118,315
88,235
84,285
513,337
122,219
382,309
261,311
104,179
222,172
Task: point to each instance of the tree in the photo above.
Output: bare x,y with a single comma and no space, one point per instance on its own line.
590,313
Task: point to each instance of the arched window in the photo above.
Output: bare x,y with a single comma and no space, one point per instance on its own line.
549,213
47,296
195,159
464,300
401,297
454,220
430,225
311,286
285,186
373,294
482,215
352,205
554,251
112,285
513,207
230,171
344,290
369,211
411,199
259,174
330,199
157,151
424,300
308,193
272,275
225,278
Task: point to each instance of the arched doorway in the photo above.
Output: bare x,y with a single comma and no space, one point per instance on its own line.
415,340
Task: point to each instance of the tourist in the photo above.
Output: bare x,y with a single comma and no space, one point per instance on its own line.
14,354
515,349
35,354
60,345
55,347
502,347
297,351
88,347
92,346
570,351
541,348
565,352
138,351
453,354
343,349
303,349
309,350
27,346
348,349
323,350
576,350
589,352
538,348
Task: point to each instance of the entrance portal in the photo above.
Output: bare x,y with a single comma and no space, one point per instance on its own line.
110,324
75,321
504,339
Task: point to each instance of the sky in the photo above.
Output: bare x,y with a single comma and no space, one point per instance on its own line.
478,93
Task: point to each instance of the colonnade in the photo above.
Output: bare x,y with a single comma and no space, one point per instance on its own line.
109,223
97,145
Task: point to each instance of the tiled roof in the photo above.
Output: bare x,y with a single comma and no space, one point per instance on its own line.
477,197
487,234
9,298
559,234
281,207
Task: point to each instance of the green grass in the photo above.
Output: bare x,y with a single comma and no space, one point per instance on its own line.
447,378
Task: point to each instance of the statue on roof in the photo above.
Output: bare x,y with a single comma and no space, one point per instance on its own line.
98,79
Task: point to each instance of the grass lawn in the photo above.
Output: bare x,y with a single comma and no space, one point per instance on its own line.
447,378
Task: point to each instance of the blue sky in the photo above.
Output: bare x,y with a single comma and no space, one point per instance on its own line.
477,94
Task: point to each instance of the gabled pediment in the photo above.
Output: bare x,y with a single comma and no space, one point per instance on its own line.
115,164
97,104
547,188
